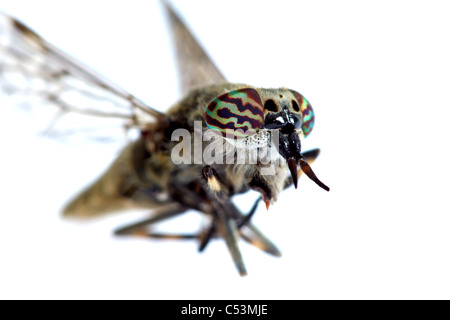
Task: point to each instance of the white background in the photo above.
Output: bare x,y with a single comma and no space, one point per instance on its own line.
378,77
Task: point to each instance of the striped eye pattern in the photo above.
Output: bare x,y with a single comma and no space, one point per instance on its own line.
238,113
306,112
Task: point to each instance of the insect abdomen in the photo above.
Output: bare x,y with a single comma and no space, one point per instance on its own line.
115,190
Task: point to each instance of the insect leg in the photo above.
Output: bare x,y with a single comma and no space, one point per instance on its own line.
160,215
139,228
250,233
253,236
224,220
207,236
216,189
241,222
246,219
228,229
167,236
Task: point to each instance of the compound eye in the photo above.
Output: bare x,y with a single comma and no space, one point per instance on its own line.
306,112
238,113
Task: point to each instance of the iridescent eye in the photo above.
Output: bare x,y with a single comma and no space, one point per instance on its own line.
306,112
240,110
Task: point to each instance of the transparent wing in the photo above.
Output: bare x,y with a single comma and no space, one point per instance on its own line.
195,68
73,99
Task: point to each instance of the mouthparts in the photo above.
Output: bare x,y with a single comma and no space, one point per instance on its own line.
290,149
